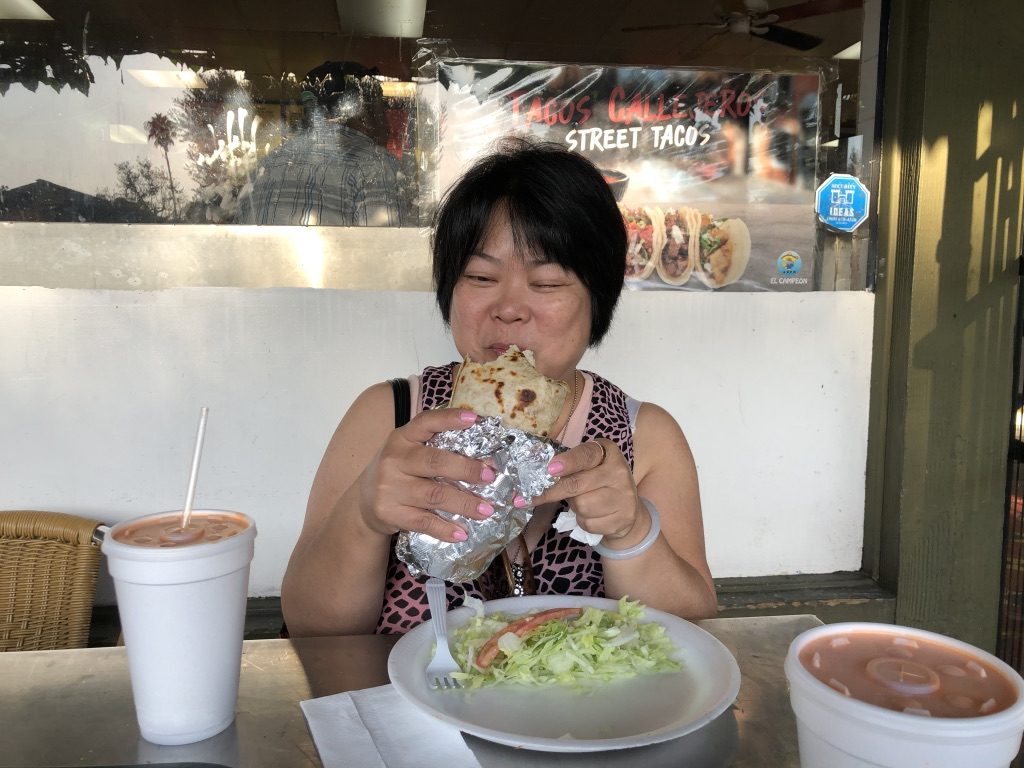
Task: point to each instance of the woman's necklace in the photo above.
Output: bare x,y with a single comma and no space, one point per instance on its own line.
577,392
518,565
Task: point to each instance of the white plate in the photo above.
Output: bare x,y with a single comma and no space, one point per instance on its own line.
627,713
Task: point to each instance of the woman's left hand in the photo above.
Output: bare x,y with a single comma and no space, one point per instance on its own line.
595,478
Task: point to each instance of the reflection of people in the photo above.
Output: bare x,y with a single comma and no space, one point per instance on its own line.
735,140
773,150
336,171
528,249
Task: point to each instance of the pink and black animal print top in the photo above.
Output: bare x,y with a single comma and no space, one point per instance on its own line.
561,565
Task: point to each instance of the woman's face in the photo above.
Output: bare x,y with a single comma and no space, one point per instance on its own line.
506,297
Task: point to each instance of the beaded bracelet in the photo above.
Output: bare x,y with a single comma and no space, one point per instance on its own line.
643,546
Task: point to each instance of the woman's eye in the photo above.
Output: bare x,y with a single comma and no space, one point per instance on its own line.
549,277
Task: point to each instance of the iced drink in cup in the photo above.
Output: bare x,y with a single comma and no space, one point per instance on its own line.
871,695
181,597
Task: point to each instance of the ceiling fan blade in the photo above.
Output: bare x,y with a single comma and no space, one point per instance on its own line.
678,25
815,8
790,38
702,47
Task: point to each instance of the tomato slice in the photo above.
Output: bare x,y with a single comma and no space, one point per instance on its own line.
521,627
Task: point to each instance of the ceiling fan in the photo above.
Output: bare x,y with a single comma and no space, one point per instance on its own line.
759,20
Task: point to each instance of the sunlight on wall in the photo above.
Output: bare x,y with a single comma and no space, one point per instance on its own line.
982,230
304,248
308,250
994,192
984,129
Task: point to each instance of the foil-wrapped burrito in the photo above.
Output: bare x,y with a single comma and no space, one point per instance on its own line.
520,461
519,407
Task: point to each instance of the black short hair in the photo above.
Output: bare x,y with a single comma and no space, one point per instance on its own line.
559,206
350,92
333,78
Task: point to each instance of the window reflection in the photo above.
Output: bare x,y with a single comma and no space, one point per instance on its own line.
150,112
335,169
151,137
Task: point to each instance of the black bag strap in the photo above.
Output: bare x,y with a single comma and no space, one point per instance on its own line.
403,404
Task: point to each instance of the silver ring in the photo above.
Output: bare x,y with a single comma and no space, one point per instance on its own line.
604,452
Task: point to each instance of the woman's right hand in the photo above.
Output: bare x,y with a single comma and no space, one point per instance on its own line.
404,483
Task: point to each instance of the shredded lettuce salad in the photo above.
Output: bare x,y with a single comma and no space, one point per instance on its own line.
596,646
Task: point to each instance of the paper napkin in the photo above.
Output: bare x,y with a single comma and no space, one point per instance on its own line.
566,521
377,728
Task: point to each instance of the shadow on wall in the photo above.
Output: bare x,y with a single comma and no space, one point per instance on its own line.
961,313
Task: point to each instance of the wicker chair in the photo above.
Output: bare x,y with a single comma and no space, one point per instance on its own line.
48,567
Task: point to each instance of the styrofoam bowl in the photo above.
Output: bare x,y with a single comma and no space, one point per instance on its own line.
836,731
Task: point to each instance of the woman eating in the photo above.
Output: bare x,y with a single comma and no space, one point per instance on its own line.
529,250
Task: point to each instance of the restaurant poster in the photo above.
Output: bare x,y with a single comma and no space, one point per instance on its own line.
714,171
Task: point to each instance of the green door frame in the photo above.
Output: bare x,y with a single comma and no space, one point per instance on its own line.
951,197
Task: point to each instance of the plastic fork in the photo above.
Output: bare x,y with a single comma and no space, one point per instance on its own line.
443,665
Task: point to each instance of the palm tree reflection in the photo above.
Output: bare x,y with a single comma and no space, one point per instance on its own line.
160,130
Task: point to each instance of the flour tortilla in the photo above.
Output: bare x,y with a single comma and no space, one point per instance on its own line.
727,263
512,389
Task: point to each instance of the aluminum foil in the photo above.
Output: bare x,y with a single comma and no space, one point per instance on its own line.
520,461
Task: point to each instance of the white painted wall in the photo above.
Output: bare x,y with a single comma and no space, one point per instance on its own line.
100,392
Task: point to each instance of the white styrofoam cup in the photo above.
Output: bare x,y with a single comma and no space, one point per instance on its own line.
182,615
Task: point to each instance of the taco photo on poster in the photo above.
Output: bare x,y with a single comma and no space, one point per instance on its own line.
645,231
717,251
724,251
682,233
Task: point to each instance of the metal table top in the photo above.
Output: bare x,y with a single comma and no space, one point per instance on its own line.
74,708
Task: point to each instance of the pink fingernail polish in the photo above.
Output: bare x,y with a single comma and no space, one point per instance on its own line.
519,502
460,535
487,475
555,467
485,509
468,417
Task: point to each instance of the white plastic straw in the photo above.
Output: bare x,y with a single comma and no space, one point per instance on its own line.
190,497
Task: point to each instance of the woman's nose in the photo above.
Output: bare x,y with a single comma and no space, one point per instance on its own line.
511,304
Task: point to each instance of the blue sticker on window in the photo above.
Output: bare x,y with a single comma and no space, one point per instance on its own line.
842,202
